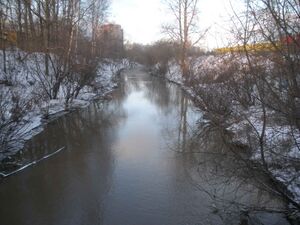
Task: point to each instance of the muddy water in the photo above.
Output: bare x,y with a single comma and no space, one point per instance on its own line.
129,161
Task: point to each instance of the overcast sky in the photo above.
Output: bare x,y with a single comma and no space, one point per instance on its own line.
142,19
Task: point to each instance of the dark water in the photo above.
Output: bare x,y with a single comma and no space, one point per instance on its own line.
129,161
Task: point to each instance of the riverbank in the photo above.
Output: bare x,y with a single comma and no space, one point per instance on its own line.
25,110
210,91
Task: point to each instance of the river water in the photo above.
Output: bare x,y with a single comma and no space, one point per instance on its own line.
129,161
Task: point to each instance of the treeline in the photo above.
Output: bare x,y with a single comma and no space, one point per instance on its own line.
52,25
160,53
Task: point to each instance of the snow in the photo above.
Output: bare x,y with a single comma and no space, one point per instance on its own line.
174,74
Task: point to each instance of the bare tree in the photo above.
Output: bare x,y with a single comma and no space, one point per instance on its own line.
184,30
98,13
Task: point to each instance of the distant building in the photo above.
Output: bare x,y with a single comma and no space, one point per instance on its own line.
112,41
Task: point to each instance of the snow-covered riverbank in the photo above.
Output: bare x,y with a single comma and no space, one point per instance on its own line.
281,141
24,106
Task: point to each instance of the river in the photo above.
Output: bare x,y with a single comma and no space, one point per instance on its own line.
129,161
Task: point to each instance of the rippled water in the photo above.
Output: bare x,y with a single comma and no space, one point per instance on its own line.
130,161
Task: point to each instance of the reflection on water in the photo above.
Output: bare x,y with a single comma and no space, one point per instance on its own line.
131,161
